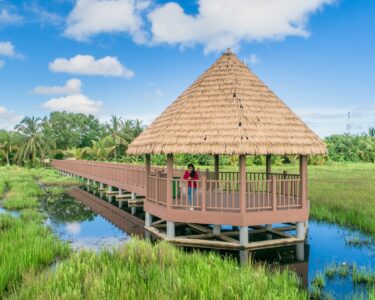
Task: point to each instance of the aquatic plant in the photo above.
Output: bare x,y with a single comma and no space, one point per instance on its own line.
319,281
141,270
330,271
363,276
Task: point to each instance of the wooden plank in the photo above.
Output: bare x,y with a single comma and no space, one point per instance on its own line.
279,233
111,193
158,222
135,201
228,239
199,236
123,196
200,228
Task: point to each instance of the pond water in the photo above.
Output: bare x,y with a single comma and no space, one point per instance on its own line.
326,244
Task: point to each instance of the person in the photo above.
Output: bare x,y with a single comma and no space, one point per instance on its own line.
192,176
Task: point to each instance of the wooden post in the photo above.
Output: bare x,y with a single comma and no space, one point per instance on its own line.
274,193
303,177
268,165
204,191
242,163
148,171
157,179
169,179
216,168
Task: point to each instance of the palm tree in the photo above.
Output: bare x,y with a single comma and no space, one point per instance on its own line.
371,132
100,150
115,131
8,144
35,145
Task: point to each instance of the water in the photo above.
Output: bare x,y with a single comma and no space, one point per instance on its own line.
326,244
83,228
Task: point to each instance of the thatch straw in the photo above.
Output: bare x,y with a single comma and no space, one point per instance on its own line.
228,110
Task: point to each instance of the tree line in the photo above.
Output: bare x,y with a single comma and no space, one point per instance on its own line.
67,135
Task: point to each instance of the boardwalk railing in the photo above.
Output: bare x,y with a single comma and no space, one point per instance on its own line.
213,199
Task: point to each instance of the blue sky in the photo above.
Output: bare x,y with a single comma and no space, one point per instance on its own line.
133,57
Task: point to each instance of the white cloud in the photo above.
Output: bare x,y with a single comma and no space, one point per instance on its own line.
72,86
2,64
7,49
331,120
88,65
92,17
221,23
8,119
7,18
77,103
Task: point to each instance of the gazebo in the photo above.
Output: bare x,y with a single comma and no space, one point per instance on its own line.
228,110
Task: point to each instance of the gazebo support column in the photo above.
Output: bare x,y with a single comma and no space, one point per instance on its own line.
244,230
268,165
148,216
216,166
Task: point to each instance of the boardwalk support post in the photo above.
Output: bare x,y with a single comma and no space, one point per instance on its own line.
148,219
300,228
244,235
170,230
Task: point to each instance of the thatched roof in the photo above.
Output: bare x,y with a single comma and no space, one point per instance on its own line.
228,110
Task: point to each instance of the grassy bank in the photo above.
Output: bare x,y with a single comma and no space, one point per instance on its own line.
344,194
142,271
25,245
138,270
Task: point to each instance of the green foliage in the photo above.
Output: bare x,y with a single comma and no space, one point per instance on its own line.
72,130
351,148
141,270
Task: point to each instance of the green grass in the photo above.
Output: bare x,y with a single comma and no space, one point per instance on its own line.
51,177
25,245
344,194
142,271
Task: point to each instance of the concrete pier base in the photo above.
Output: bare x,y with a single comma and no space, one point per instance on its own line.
148,219
170,230
300,230
268,235
244,235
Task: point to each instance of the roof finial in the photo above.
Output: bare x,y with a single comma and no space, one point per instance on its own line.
229,50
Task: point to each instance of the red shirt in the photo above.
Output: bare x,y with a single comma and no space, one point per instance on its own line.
192,181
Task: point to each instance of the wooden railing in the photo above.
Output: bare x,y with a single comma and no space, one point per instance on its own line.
215,197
